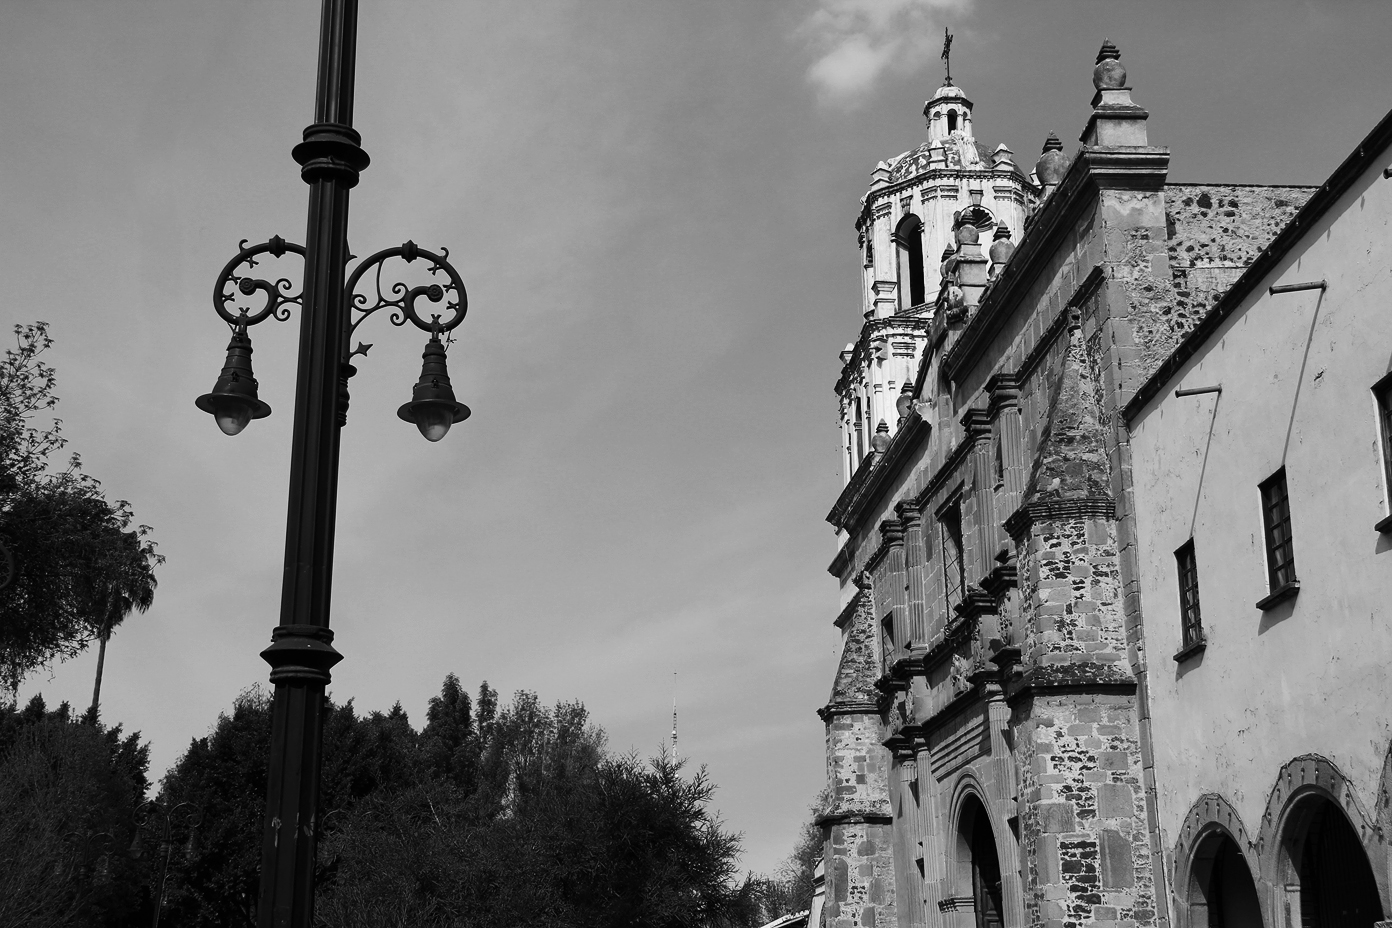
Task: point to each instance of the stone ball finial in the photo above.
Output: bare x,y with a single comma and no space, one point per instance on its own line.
880,440
965,233
1109,73
1053,163
1002,247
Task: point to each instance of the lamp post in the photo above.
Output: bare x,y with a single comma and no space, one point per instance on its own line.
301,653
143,816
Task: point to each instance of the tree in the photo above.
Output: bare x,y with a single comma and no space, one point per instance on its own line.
67,821
128,572
790,888
78,567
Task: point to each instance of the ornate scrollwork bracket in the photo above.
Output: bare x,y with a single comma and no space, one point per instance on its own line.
237,282
448,288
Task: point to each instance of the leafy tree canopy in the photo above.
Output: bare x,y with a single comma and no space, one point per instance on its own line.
72,567
486,817
68,821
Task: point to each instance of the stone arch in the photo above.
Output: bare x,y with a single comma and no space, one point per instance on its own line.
1311,794
1215,857
908,236
976,868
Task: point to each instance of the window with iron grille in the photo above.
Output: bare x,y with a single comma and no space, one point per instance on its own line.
887,642
954,568
1189,593
1280,549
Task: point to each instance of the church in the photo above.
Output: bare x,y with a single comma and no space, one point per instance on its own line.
1113,542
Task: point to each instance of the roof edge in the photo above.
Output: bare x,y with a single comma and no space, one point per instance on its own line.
1328,193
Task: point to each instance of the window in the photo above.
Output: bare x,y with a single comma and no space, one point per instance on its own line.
951,120
954,569
1382,392
1280,549
887,641
1189,594
909,237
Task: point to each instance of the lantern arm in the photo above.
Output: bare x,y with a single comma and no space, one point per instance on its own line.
237,281
448,288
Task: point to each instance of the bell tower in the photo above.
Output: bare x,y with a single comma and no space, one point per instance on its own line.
910,218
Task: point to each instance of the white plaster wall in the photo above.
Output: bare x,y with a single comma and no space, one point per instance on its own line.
1309,676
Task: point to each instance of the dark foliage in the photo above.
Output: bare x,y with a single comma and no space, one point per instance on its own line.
484,818
68,849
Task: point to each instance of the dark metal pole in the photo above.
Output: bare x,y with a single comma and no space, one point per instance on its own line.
301,652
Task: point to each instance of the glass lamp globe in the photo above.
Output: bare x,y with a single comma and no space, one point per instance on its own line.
231,415
433,419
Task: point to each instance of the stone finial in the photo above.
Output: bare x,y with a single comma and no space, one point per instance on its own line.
880,176
1109,73
904,403
945,266
1002,247
1053,163
1002,159
965,233
880,440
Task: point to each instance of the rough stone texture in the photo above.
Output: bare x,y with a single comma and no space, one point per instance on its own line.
860,877
1085,848
1071,586
1214,232
859,665
857,766
1071,459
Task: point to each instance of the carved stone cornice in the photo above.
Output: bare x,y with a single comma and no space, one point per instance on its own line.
1004,390
1071,679
1059,510
977,424
975,602
836,709
864,491
999,581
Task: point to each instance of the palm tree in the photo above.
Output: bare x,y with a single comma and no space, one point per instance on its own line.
128,583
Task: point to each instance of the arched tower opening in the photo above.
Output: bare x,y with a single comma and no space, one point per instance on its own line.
908,236
951,121
1221,892
1323,856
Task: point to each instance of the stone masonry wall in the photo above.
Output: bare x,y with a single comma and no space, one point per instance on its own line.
857,766
1082,815
860,877
1072,587
1212,232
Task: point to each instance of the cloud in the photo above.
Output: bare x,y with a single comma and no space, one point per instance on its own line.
858,41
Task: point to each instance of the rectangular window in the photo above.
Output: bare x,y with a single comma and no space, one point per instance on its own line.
1189,593
887,641
954,568
1382,391
1280,549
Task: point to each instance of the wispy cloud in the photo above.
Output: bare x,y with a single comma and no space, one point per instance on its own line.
858,41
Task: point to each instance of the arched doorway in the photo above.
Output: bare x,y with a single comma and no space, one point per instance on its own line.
1325,859
979,863
1222,893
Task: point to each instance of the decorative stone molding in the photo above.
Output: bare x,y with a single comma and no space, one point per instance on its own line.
1312,774
1059,510
1210,813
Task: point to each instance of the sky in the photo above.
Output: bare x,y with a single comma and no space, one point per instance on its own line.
652,205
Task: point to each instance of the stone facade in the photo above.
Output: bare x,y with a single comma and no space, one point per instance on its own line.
991,738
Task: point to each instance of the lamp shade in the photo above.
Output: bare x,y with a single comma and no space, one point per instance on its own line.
233,401
433,408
